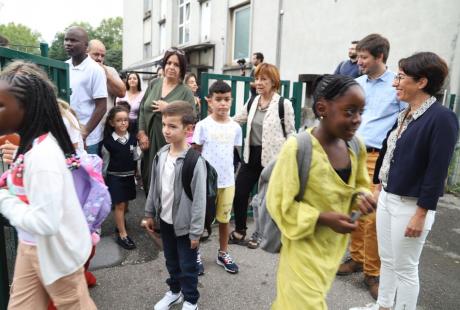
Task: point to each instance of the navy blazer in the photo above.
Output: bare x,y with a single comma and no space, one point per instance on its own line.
422,155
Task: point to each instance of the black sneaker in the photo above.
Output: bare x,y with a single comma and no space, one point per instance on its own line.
126,243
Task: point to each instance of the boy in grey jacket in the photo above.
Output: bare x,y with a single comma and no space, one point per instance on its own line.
181,220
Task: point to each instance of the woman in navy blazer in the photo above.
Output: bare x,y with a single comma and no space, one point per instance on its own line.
411,173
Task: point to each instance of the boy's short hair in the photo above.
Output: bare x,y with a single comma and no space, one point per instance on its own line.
124,104
376,45
183,109
219,87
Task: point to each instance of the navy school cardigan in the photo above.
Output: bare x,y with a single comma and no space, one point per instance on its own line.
422,155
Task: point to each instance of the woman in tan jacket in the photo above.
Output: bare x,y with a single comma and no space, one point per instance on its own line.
264,137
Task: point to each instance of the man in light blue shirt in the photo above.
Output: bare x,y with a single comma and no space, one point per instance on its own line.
382,107
380,114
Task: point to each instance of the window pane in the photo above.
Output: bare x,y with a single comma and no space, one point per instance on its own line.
181,15
205,21
162,38
181,1
241,47
147,5
163,8
181,35
147,50
187,33
187,12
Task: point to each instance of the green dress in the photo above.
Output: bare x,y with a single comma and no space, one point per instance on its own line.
150,121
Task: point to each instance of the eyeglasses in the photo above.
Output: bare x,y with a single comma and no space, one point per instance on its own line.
398,77
176,50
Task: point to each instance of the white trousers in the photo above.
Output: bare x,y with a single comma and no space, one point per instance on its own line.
399,255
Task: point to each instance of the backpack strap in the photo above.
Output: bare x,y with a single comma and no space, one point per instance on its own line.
355,145
190,160
251,100
281,114
304,153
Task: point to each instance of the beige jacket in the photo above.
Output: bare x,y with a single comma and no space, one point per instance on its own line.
272,132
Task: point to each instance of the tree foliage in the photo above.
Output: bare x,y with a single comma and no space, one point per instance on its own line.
21,37
110,32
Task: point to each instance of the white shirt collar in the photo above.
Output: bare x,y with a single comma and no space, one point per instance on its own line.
115,136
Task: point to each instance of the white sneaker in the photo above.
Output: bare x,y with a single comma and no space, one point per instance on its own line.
189,306
367,307
168,300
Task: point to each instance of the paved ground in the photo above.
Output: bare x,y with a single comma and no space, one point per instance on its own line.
135,279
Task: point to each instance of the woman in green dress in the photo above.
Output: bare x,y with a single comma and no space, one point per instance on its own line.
160,91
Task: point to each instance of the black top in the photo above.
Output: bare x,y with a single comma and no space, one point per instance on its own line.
344,173
422,156
121,155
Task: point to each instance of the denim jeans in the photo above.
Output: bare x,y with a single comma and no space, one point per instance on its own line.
181,263
400,255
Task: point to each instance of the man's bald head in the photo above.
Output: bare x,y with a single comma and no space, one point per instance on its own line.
76,41
96,50
79,31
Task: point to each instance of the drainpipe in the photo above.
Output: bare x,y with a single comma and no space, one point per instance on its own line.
279,33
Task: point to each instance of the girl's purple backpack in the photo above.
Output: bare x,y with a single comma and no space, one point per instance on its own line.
91,190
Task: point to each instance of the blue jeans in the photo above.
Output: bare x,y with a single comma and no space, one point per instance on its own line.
181,263
94,149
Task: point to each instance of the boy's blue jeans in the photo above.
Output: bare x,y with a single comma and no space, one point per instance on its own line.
181,263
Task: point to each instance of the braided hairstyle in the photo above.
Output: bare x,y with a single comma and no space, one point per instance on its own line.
41,111
330,87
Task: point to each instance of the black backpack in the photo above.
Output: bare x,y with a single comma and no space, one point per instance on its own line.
191,158
280,111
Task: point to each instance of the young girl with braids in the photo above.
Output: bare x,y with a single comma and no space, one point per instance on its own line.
314,230
40,200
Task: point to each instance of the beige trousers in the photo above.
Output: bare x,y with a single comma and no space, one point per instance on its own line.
28,292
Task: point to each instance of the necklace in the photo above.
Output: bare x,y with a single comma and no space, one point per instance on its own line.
263,107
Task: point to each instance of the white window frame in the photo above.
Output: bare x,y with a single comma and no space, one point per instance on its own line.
185,23
235,11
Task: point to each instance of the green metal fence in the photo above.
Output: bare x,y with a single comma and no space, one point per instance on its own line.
58,72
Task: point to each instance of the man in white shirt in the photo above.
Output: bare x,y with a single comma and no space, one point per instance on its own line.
89,88
115,86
